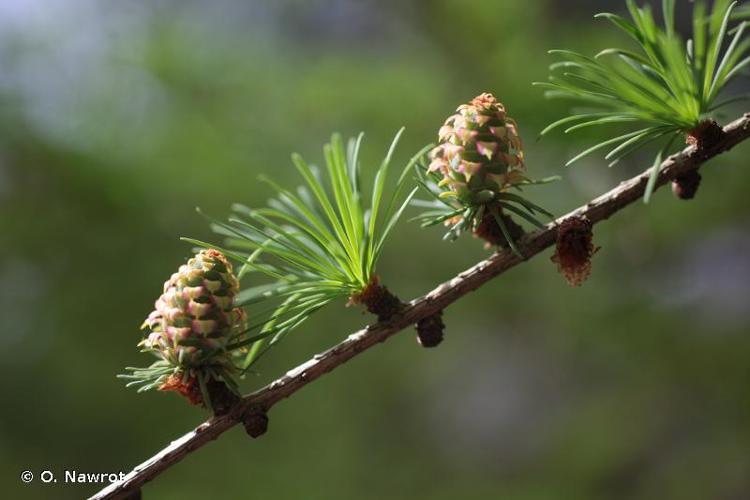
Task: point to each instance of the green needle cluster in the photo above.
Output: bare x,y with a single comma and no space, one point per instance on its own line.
662,88
315,244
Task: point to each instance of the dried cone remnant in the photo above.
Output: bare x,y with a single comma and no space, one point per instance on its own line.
430,330
489,230
480,155
574,249
191,326
378,300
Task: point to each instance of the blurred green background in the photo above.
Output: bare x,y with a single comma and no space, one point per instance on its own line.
118,118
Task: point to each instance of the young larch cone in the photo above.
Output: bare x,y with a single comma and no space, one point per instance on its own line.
479,156
479,152
574,249
192,324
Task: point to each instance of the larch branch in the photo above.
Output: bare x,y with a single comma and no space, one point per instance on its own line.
263,399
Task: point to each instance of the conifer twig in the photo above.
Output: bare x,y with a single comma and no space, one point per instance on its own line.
260,401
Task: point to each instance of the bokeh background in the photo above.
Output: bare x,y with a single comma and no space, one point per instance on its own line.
118,118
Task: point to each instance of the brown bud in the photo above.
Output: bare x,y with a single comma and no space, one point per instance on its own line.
256,423
489,230
430,330
686,185
704,136
222,398
378,300
574,249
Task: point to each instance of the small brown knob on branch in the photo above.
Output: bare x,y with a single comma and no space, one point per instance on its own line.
430,330
686,185
255,422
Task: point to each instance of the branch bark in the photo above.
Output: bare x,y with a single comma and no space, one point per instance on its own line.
262,400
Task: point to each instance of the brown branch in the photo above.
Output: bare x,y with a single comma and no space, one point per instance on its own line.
262,400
